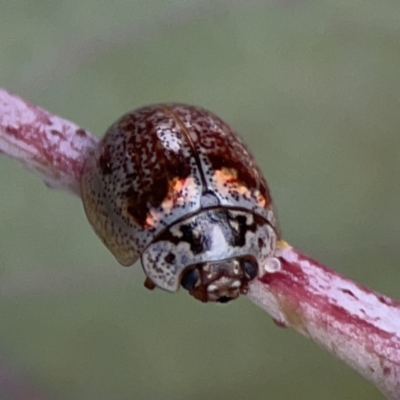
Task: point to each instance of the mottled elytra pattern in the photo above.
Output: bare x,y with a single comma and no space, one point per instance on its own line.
161,164
228,167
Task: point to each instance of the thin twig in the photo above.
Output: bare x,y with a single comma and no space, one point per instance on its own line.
13,387
354,323
50,146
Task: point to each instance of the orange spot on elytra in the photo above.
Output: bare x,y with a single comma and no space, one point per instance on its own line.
175,186
179,191
152,219
226,175
226,180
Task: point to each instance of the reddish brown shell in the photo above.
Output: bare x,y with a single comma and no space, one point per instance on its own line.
161,163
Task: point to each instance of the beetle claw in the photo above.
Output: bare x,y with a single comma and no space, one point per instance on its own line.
149,284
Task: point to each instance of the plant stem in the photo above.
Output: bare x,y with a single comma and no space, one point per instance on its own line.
354,323
52,147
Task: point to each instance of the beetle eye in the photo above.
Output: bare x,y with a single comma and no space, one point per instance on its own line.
190,279
249,268
224,299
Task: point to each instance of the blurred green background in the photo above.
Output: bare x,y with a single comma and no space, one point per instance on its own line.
313,87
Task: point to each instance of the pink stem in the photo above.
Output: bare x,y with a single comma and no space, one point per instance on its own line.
52,147
14,388
358,325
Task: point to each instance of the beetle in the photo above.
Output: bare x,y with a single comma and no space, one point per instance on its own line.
174,185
